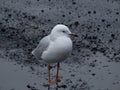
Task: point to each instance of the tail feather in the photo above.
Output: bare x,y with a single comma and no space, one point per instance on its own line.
36,54
33,52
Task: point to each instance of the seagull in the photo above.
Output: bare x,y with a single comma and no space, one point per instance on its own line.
55,48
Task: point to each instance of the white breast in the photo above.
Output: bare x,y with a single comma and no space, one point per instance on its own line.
58,50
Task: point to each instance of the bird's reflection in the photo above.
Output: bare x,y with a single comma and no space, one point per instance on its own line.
48,87
56,88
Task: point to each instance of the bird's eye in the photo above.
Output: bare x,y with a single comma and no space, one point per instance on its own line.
63,31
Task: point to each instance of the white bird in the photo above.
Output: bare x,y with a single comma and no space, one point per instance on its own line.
55,48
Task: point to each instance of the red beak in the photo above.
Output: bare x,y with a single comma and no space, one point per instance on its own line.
73,34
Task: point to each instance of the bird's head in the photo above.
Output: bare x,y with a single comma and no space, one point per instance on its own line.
61,30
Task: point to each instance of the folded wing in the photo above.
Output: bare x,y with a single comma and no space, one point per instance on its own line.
42,46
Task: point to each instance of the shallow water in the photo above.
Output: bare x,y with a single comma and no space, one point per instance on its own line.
104,76
95,60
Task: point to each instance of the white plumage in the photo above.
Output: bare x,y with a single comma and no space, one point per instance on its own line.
54,48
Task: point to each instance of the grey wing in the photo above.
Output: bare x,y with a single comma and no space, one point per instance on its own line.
42,46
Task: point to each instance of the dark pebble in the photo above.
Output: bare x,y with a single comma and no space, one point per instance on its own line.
73,3
42,11
94,12
117,13
103,20
28,86
93,74
76,23
89,12
62,86
63,15
113,35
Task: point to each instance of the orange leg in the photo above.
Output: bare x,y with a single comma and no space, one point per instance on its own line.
56,76
49,80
